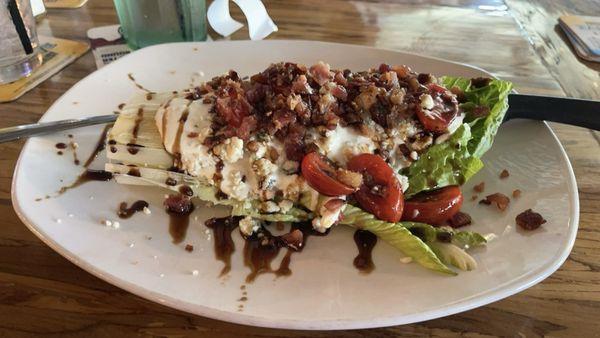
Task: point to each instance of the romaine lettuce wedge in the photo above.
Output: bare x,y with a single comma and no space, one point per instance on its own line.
458,159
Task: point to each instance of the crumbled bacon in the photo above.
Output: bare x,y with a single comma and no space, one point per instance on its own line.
529,220
500,200
479,187
301,86
232,105
286,99
321,73
480,111
504,174
189,248
460,219
480,82
516,193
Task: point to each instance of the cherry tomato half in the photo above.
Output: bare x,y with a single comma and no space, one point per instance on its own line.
380,193
433,207
320,175
444,111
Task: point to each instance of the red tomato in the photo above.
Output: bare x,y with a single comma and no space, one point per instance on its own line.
444,111
433,207
380,193
321,176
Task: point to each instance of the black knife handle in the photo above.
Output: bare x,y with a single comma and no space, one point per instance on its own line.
577,112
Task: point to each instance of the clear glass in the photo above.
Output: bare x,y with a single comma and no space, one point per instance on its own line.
15,63
150,22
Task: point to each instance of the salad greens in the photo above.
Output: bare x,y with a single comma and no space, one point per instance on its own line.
458,159
397,236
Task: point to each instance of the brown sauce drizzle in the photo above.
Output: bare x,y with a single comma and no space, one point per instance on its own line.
186,190
61,145
130,76
89,174
59,152
224,246
179,208
134,172
261,248
170,181
365,242
137,206
136,128
182,119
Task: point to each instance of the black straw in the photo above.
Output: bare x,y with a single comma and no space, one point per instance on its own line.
20,26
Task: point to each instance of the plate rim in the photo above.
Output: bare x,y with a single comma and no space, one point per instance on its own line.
502,291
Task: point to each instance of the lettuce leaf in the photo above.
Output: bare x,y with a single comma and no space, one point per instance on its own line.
453,255
495,97
458,159
448,163
250,209
397,236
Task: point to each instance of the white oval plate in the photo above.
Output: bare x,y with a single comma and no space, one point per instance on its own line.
325,291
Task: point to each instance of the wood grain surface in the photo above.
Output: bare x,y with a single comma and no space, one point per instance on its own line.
42,293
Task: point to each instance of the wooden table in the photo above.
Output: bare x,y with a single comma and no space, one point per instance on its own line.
43,293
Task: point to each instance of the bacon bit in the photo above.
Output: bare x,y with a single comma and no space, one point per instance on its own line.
300,85
516,193
349,178
193,134
499,199
479,82
529,220
321,72
339,92
504,174
480,111
460,219
189,248
479,187
460,94
340,79
273,154
334,204
252,146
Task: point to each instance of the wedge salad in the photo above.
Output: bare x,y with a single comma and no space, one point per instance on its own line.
384,150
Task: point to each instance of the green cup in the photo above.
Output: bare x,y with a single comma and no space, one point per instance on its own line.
150,22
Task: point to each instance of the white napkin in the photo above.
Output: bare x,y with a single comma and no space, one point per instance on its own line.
260,24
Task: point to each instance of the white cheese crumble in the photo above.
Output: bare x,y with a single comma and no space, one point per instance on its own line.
406,260
269,207
233,186
285,206
195,273
426,101
248,225
328,216
146,211
264,167
230,150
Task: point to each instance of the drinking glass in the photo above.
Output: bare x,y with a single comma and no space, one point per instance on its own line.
18,40
150,22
